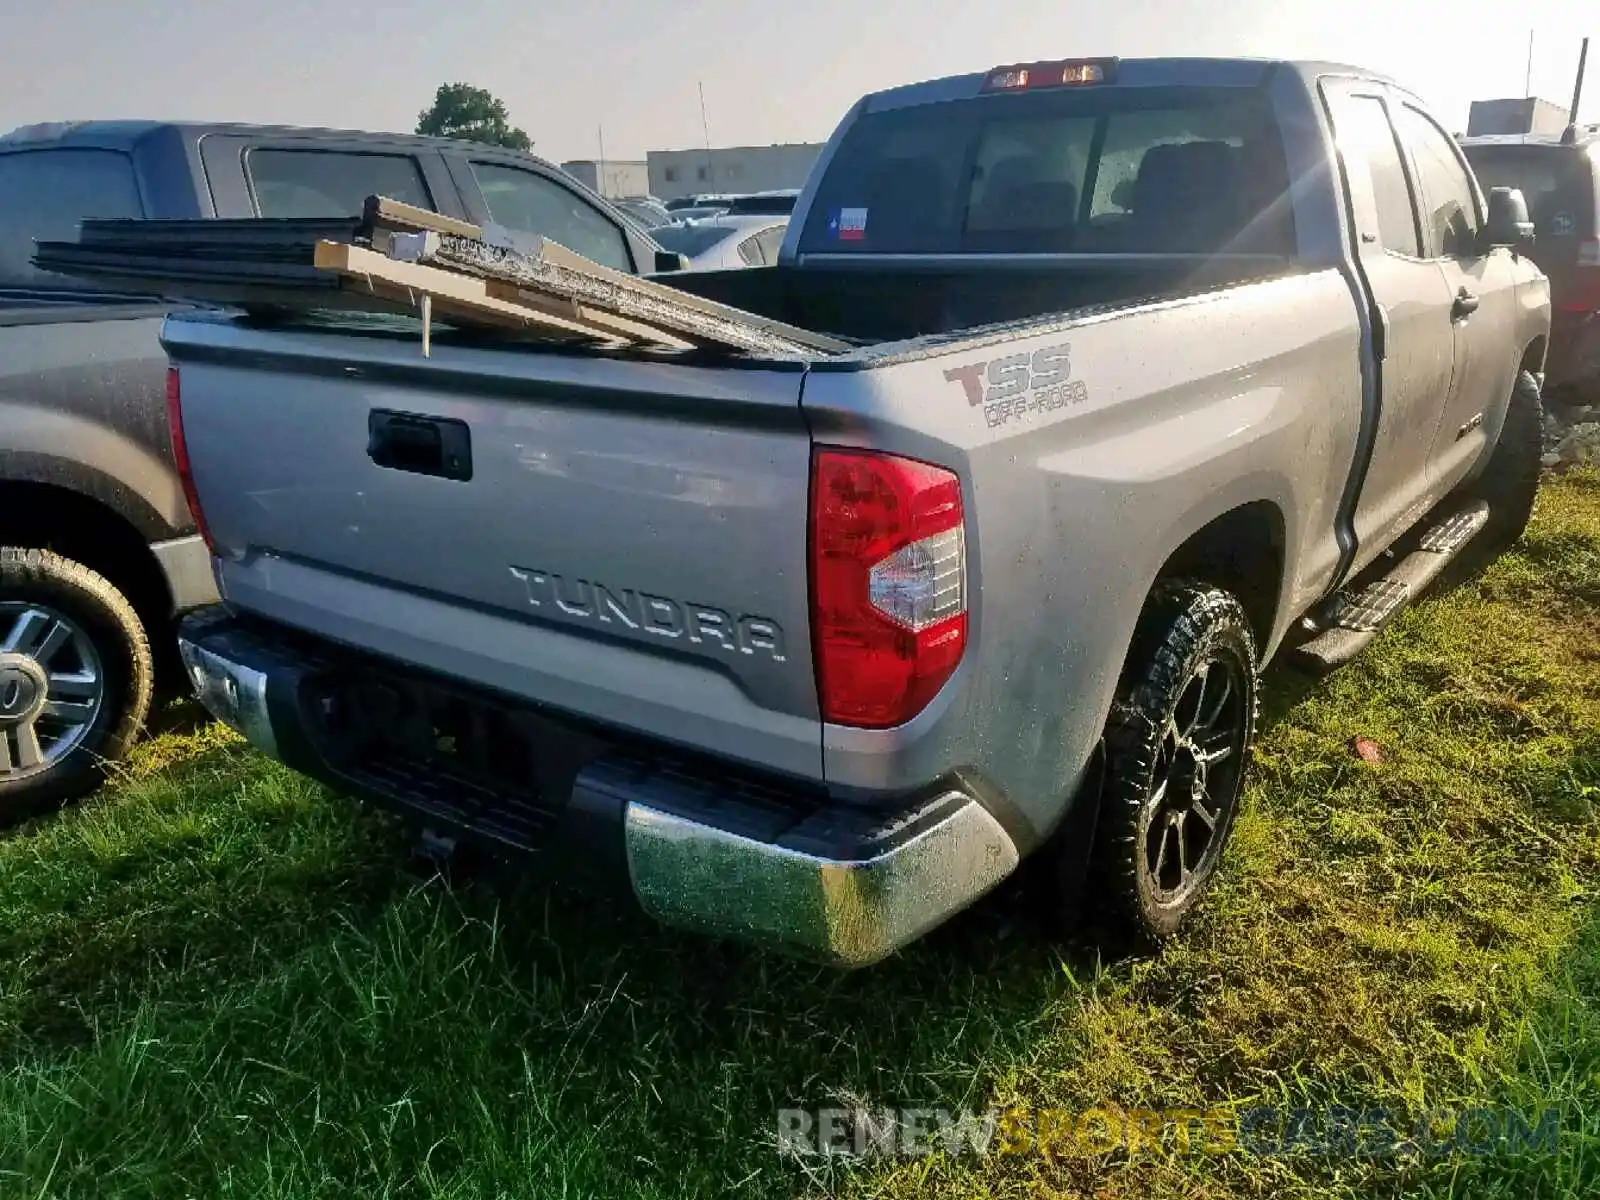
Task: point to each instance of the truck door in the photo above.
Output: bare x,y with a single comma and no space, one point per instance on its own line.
1413,339
1483,292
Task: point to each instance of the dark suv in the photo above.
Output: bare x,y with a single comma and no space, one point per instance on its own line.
97,547
1560,176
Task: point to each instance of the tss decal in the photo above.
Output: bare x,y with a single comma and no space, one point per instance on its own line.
1020,384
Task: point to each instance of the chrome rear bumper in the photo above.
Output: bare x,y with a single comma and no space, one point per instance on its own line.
842,885
850,912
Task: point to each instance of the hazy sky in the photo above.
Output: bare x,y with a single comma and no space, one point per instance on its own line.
773,70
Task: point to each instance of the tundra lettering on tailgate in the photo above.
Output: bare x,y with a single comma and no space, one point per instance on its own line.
627,610
1020,384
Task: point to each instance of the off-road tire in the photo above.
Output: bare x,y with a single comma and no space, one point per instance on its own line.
1185,626
109,621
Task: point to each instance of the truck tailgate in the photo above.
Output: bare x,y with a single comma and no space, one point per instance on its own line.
621,540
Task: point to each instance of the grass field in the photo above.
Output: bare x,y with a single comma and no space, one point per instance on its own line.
218,980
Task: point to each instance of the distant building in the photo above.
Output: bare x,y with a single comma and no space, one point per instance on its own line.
1530,115
678,173
612,178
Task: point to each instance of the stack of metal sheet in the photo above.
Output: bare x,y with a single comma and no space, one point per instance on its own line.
398,258
242,261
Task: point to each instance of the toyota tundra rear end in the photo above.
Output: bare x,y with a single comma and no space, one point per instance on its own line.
588,603
811,646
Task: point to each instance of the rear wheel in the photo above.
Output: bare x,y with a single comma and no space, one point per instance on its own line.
75,679
1176,746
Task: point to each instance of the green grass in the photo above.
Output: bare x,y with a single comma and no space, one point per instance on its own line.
217,980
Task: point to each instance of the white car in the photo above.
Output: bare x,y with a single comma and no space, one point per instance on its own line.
723,242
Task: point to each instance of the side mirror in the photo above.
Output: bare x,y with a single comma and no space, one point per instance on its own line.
1509,224
668,260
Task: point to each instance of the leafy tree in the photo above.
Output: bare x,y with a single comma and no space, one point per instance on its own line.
471,114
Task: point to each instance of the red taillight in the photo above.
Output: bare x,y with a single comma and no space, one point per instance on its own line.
1583,288
180,456
888,585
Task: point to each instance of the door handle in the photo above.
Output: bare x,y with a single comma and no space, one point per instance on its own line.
1466,304
420,445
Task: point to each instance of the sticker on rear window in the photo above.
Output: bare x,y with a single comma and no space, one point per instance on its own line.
848,224
1562,224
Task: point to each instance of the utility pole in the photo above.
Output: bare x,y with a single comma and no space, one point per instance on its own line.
1527,83
705,127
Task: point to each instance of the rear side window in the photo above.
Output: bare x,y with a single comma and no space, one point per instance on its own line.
331,183
1365,136
1108,171
43,196
529,203
1448,206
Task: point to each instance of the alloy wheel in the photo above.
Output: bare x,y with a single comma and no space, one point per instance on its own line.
52,686
1196,780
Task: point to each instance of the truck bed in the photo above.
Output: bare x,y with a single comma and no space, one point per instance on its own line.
883,302
631,544
885,309
287,266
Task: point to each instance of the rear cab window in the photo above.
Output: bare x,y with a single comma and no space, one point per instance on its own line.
45,193
1558,182
331,183
1103,170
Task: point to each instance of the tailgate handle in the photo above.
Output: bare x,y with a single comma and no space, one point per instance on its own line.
419,444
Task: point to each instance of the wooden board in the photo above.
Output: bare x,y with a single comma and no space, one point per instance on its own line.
453,295
585,314
508,289
559,256
382,213
375,292
614,294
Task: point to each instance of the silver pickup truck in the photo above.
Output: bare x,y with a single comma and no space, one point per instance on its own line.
1157,368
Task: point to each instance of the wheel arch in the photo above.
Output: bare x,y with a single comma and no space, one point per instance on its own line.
1533,357
44,516
1241,551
